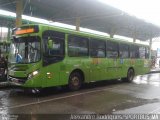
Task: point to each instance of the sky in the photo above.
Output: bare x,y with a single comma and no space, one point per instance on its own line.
147,10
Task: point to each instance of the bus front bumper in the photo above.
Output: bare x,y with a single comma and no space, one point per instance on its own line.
16,81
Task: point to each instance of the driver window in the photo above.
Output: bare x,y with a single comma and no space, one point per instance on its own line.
57,43
56,48
56,52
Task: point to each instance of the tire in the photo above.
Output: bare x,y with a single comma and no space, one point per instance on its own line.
75,81
130,76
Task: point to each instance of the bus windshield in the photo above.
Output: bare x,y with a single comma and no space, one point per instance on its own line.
25,50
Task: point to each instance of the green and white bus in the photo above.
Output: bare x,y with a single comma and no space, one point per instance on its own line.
45,56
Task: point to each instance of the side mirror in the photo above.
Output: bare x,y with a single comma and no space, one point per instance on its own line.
50,44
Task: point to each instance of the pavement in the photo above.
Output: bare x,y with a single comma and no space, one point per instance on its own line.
142,96
4,84
155,70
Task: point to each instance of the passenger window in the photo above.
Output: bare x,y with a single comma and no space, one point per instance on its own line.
147,53
97,48
112,49
77,46
134,51
123,50
142,52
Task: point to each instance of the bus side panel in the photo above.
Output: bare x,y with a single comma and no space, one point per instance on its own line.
96,69
112,68
74,63
104,75
50,75
36,82
139,66
99,69
123,66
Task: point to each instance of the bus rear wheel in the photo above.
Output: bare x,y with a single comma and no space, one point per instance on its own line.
75,81
130,76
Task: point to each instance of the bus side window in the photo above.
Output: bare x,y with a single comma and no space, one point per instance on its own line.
97,48
142,52
137,51
133,51
77,46
112,49
123,50
147,53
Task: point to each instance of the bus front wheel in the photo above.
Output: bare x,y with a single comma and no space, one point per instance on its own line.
75,81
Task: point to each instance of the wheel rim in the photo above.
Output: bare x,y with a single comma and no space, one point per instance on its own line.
75,81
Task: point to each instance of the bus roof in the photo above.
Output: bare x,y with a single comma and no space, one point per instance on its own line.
82,33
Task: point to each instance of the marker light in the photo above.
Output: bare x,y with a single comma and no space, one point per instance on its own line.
49,75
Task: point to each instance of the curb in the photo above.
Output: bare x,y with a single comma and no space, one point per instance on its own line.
4,84
153,72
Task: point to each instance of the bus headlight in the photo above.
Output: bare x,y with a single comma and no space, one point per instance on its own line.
33,74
